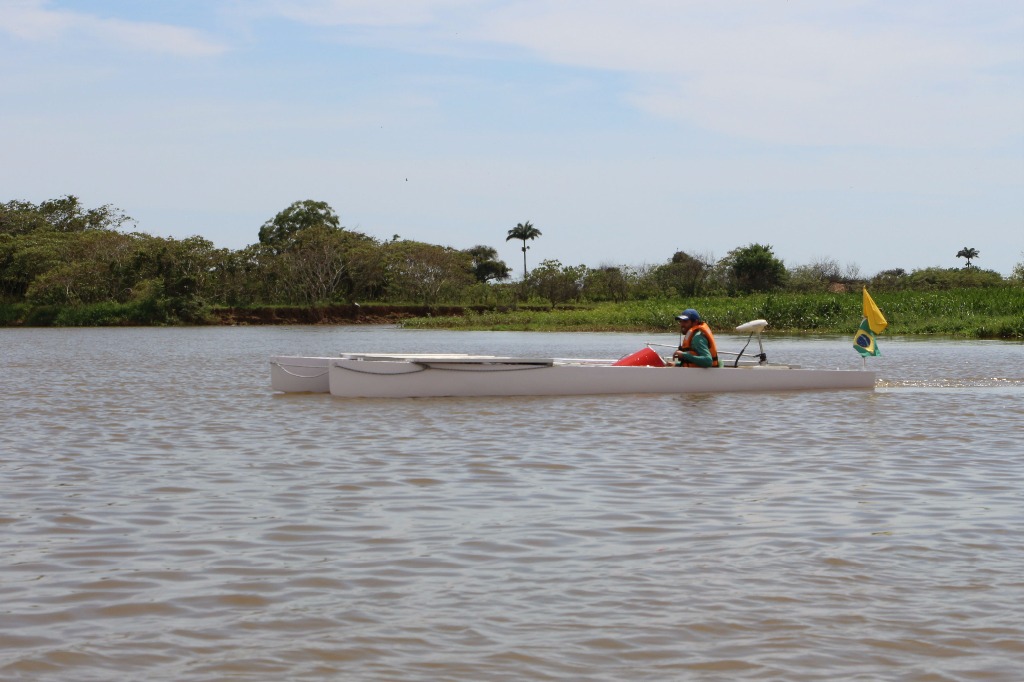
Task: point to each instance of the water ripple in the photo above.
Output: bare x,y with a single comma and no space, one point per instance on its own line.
171,519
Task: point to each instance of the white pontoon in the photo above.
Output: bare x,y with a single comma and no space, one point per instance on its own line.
423,375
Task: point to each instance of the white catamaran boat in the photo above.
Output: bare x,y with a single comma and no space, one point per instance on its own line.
425,375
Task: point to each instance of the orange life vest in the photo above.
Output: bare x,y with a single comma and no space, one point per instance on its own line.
704,329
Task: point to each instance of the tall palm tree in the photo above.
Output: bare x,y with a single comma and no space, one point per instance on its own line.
523,231
968,253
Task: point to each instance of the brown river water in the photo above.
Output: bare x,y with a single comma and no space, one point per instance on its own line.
165,516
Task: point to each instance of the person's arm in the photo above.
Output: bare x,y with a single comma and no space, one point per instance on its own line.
699,346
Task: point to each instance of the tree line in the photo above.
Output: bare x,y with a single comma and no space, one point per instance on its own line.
59,253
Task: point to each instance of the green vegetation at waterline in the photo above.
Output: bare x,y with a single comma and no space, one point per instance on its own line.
970,313
151,307
992,313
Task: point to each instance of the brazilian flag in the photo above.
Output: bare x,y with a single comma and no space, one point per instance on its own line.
864,341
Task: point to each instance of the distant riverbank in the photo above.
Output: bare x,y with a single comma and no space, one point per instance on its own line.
968,313
981,313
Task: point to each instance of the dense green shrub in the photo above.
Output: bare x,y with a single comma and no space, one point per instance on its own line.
932,279
106,314
12,313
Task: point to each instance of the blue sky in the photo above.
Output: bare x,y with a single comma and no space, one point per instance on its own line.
877,134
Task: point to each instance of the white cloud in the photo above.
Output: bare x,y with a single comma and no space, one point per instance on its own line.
154,37
31,20
847,72
790,72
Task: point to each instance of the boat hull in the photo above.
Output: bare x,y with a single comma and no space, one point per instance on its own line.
357,378
304,374
292,374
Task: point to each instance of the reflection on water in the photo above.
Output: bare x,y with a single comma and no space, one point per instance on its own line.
165,516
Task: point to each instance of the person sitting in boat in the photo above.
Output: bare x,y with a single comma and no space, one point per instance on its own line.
698,343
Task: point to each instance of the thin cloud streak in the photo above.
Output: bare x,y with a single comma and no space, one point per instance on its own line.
30,20
787,77
358,12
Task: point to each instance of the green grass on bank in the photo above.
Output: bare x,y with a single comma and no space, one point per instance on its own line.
971,313
991,313
146,313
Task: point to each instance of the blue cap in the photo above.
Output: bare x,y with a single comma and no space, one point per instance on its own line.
689,314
